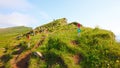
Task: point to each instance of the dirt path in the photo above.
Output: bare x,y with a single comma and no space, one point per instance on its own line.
22,60
78,57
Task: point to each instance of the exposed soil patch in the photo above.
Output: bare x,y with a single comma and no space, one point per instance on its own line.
23,63
77,58
18,51
74,42
22,60
2,66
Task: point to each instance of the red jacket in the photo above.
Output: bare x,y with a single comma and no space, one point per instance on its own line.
28,37
78,25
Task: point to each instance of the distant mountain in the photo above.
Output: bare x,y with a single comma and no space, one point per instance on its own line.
17,29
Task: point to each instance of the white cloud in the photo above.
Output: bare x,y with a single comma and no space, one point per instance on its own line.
15,4
16,19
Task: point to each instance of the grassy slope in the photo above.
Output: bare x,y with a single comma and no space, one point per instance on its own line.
95,48
8,41
62,48
8,34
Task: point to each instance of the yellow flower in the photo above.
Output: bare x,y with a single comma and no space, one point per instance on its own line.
117,61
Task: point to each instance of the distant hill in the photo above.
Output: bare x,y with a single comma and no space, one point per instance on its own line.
17,29
8,33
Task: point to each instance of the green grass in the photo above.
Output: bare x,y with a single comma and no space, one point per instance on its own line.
95,47
8,41
7,35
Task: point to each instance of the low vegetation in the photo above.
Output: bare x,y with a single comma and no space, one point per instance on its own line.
61,47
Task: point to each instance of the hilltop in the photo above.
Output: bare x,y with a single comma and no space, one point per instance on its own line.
57,45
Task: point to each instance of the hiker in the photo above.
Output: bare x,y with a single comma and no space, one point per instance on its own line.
28,38
78,30
78,25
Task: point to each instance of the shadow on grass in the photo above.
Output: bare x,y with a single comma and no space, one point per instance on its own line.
54,61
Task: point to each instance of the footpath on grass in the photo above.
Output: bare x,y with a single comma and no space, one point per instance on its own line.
21,60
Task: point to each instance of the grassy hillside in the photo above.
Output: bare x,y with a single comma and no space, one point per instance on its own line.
55,24
16,29
95,48
7,34
8,39
61,47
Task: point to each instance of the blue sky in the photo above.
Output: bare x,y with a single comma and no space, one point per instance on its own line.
91,13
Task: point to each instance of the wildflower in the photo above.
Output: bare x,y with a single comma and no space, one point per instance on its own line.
117,61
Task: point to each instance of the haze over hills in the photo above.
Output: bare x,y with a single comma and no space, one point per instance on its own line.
118,38
16,29
57,45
